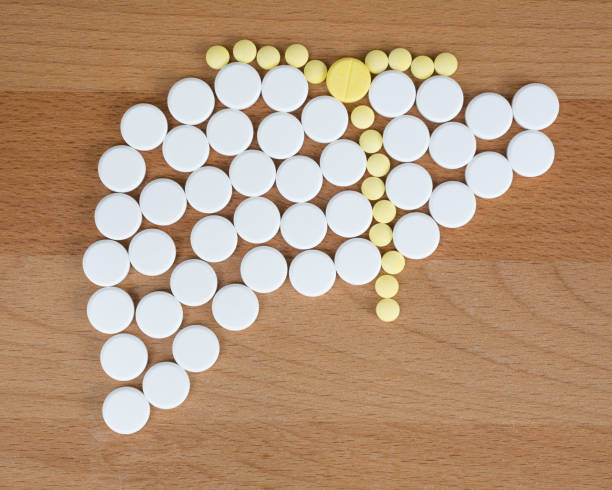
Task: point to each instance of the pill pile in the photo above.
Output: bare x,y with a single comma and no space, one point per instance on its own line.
395,187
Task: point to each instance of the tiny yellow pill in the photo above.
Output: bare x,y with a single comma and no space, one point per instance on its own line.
377,61
378,164
393,262
386,286
296,55
381,234
400,59
446,64
348,79
315,71
422,67
370,141
362,116
217,57
268,57
384,211
373,188
387,309
244,51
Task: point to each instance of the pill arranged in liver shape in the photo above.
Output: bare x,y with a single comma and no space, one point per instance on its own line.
163,202
117,216
121,168
299,178
303,226
409,186
235,307
229,132
252,173
152,252
416,235
280,135
125,410
489,116
392,93
214,238
530,153
185,148
324,119
406,138
452,204
195,348
237,85
208,189
489,174
159,314
439,99
257,220
106,263
357,261
349,214
165,385
452,145
143,127
124,357
535,106
193,282
312,273
191,101
343,162
263,269
284,88
110,310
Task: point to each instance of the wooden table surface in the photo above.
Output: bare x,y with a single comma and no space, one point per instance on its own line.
498,372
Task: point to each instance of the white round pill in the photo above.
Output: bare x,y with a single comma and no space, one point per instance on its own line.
489,175
208,189
489,116
191,101
143,127
235,307
195,348
312,273
303,225
343,162
159,314
106,263
325,119
152,252
125,410
193,282
280,135
530,153
535,106
163,202
348,213
229,132
439,99
117,216
408,186
392,93
256,219
357,261
237,85
165,385
263,269
452,204
416,235
185,148
214,238
121,168
284,88
299,179
452,145
252,173
124,357
110,310
406,138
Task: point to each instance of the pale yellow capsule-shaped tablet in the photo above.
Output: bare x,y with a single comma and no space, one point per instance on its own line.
381,234
268,57
422,67
446,64
348,79
384,211
296,55
217,57
386,286
387,309
373,188
400,59
370,141
393,262
315,71
376,61
378,164
244,51
362,116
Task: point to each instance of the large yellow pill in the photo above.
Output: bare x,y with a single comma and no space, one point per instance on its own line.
217,57
378,164
370,141
384,211
373,188
362,116
377,61
386,286
400,59
422,67
348,79
387,309
296,55
268,57
244,51
315,71
381,234
393,262
446,64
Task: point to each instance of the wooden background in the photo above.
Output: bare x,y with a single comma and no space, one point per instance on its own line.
498,373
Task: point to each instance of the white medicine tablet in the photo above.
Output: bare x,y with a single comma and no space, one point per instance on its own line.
325,119
357,261
110,310
349,214
416,235
530,153
406,138
235,307
106,263
408,186
439,99
299,178
118,216
303,226
256,219
343,162
489,116
165,385
121,168
185,148
252,173
489,175
152,252
143,127
312,273
214,238
280,135
195,348
284,88
452,145
208,189
193,282
229,132
159,314
191,101
452,204
163,202
237,85
125,410
535,106
392,93
263,269
124,357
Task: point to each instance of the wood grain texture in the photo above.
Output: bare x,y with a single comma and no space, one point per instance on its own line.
498,373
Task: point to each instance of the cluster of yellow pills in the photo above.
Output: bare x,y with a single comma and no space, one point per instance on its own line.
421,67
